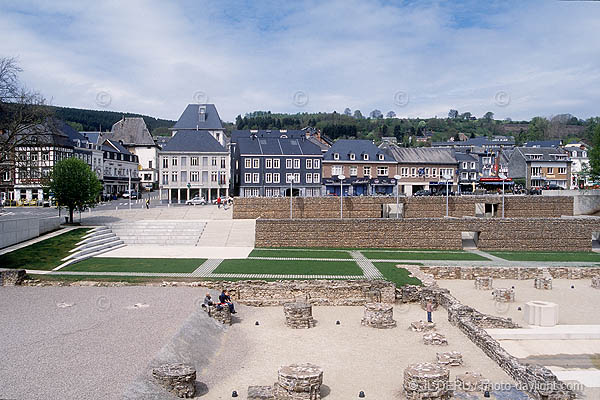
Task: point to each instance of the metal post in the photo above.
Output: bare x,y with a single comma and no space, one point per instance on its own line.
447,180
502,198
341,199
291,189
397,200
129,184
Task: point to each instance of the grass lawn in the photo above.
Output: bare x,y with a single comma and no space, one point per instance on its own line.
397,275
100,264
288,267
43,255
101,278
582,256
425,255
300,253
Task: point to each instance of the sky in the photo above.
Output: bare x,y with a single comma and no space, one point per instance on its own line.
417,58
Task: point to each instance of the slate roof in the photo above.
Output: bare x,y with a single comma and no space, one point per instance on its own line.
477,141
190,118
54,132
115,145
421,155
277,146
346,146
544,143
194,141
274,133
131,131
464,157
93,137
547,153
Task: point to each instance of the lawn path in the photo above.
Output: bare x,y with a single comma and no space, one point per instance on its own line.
207,268
369,270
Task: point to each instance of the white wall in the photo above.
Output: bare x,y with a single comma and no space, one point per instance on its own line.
13,231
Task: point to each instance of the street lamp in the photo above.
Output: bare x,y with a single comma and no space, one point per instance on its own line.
291,191
341,178
397,178
447,178
503,177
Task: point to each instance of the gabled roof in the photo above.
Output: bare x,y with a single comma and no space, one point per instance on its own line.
113,145
421,155
479,141
277,146
190,119
546,153
464,157
193,141
272,133
131,131
345,147
93,137
544,143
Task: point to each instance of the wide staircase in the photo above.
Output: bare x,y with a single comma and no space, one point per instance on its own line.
97,241
158,232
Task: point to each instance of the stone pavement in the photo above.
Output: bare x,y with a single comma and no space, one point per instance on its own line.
369,270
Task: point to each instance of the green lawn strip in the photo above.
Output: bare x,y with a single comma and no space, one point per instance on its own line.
100,278
574,256
342,249
423,256
300,254
107,264
288,267
397,275
43,255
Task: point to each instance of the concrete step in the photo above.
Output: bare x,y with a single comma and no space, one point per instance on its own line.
96,237
95,230
94,249
88,255
558,332
94,243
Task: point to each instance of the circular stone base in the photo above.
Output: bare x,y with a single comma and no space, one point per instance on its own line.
177,378
379,315
504,295
299,381
298,315
483,283
426,381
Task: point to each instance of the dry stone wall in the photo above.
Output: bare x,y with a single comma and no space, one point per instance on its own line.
519,273
414,207
12,277
568,234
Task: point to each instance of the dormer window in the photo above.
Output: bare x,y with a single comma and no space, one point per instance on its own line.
336,156
380,156
202,114
283,136
365,156
352,156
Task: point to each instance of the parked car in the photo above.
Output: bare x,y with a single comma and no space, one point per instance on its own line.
535,191
134,195
552,187
196,200
423,193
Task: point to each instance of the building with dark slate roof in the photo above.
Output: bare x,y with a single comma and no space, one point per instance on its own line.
273,163
201,118
367,169
120,168
540,167
193,163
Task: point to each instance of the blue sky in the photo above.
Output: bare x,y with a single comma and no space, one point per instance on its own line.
417,58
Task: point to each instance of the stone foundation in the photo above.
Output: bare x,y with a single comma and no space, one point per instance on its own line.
426,381
450,358
504,295
543,282
596,282
12,277
220,313
518,273
435,339
472,382
419,326
298,315
260,393
298,382
179,379
378,315
484,283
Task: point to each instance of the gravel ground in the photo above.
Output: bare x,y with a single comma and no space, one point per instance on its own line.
90,350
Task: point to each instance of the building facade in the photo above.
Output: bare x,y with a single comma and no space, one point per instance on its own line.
540,167
119,169
367,169
578,153
201,118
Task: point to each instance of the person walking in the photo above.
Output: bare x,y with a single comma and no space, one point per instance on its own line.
219,202
147,204
429,309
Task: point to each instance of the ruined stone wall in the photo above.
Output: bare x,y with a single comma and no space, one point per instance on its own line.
520,273
568,234
315,292
414,207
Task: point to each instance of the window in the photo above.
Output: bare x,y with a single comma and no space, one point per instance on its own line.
289,177
465,165
404,171
308,178
382,171
255,178
165,162
268,177
297,177
174,177
288,163
194,176
353,170
45,156
464,175
269,163
213,176
472,165
536,171
248,163
222,178
309,163
213,161
550,171
150,164
487,160
223,162
296,163
193,161
316,178
6,176
434,172
352,156
174,161
247,178
183,161
276,163
336,156
426,171
367,171
316,163
365,156
256,163
562,170
336,170
276,177
380,156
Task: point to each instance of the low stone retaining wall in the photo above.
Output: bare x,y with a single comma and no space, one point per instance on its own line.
317,292
518,273
12,277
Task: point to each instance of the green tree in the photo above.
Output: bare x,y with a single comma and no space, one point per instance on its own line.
74,185
488,116
595,154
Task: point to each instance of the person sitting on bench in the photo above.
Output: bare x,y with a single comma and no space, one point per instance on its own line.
225,299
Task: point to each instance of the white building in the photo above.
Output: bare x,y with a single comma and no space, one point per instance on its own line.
578,152
201,118
120,168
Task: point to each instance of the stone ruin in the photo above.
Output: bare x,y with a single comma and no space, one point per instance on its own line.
260,393
542,282
12,277
450,358
298,315
435,339
420,326
378,315
504,295
177,378
596,282
472,382
294,382
484,283
427,381
220,313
